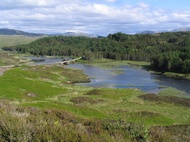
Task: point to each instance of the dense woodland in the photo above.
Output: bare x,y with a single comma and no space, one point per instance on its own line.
165,51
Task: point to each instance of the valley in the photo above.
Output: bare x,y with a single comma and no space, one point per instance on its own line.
42,102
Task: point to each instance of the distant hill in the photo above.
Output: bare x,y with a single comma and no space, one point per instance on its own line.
75,34
147,32
185,29
22,33
182,29
17,32
99,36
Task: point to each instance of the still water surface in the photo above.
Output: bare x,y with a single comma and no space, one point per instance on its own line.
123,77
130,77
42,60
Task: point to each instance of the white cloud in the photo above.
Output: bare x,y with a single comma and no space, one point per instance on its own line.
4,22
182,16
111,0
62,15
143,5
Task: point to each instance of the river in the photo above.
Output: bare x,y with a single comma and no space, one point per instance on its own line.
123,77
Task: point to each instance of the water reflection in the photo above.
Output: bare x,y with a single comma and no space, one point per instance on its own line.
183,85
44,60
122,77
130,77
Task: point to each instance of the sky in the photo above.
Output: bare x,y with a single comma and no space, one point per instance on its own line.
98,17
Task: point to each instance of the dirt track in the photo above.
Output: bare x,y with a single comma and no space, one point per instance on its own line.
5,68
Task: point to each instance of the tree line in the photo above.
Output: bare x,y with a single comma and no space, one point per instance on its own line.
165,51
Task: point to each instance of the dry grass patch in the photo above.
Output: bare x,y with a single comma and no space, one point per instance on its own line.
177,133
81,100
168,99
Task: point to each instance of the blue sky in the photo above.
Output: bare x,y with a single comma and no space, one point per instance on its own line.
162,4
99,17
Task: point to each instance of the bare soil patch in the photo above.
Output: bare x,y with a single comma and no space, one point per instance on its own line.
5,68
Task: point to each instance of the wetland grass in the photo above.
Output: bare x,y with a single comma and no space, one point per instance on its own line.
57,110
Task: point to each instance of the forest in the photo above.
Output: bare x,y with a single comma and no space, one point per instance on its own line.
168,51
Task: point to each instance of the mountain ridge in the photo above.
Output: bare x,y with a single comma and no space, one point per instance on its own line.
182,29
147,32
4,31
74,34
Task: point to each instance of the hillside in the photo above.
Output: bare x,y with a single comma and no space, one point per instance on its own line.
22,33
165,51
79,34
17,32
183,29
147,32
13,40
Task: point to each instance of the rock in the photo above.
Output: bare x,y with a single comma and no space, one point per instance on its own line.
31,95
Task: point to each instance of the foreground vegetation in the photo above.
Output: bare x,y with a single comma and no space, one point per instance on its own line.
40,103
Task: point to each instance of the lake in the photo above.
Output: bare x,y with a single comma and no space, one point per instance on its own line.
42,60
130,77
122,77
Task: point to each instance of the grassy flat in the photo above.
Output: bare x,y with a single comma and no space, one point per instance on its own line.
108,63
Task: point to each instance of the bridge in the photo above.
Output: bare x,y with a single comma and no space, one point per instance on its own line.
71,61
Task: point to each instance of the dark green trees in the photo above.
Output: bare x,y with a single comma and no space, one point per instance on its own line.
165,51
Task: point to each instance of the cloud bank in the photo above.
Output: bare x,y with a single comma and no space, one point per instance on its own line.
59,16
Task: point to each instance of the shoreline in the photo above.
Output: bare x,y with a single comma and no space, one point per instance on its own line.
107,63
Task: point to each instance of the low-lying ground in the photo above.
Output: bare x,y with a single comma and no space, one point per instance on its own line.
40,103
7,59
108,63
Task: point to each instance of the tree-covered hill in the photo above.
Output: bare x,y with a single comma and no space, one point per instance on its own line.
165,51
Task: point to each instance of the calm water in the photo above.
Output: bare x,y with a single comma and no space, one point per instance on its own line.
43,60
129,77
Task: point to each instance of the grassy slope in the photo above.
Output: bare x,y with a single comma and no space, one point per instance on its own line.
5,40
108,112
15,40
